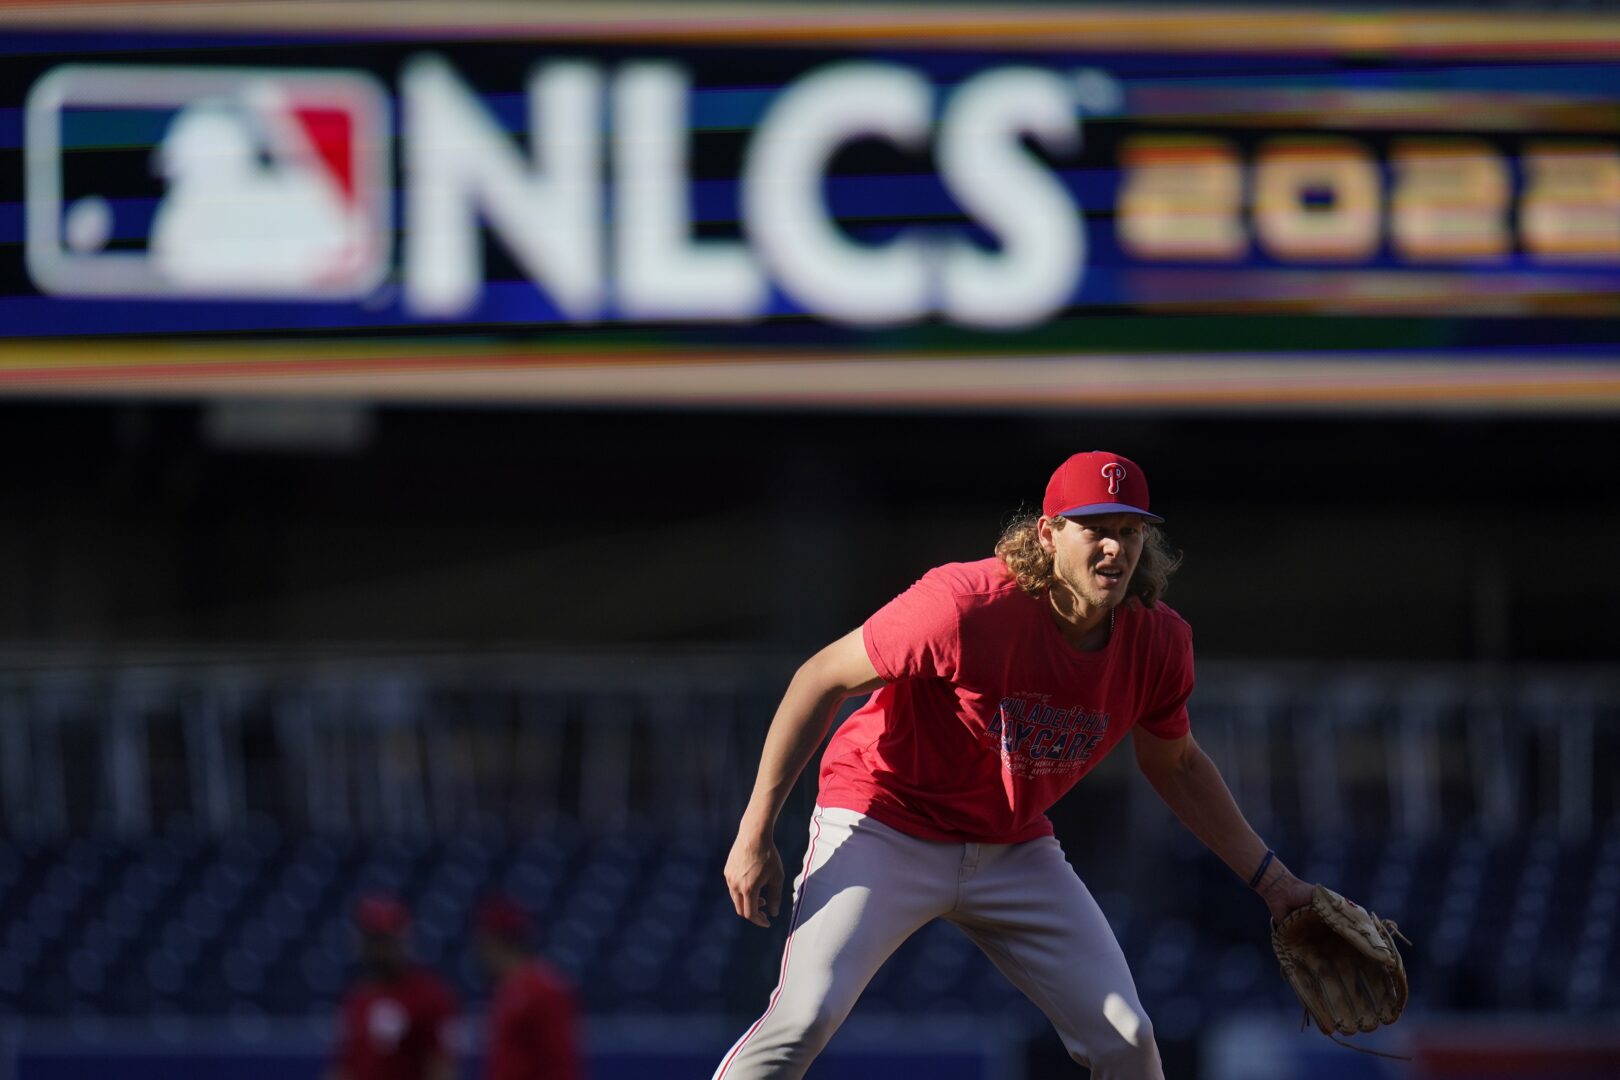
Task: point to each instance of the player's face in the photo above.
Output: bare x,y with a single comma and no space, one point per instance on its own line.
1096,555
382,953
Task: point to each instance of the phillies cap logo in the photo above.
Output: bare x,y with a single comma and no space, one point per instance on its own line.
1114,473
265,183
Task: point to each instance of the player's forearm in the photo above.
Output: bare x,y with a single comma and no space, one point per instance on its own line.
796,731
1198,795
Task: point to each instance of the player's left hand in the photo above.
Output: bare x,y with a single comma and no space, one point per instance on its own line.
1342,962
1285,894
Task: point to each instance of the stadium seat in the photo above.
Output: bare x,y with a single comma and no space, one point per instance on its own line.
257,925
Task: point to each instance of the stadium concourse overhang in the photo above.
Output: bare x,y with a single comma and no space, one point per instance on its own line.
831,205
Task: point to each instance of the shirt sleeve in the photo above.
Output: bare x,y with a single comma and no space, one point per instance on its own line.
1167,716
918,634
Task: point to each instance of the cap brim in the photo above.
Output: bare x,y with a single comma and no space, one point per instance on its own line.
1110,508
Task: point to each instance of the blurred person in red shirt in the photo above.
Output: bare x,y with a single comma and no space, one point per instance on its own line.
533,1012
394,1018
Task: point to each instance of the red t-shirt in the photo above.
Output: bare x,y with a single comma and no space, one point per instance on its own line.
533,1027
393,1030
987,716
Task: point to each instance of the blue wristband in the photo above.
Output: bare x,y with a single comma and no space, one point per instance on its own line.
1254,882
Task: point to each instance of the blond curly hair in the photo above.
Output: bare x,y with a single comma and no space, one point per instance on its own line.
1031,565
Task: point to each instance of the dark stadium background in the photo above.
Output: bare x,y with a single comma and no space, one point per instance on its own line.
1484,539
1479,546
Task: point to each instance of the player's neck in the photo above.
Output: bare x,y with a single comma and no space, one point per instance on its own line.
508,962
1084,626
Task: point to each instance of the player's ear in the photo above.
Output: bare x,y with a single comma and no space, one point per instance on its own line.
1044,527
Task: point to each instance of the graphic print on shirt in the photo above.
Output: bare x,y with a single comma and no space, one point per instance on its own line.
1039,739
386,1024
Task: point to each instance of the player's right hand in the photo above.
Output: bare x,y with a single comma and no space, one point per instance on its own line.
754,878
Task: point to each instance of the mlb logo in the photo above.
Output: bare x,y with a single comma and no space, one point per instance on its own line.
219,182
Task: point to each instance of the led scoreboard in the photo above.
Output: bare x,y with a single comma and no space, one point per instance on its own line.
498,193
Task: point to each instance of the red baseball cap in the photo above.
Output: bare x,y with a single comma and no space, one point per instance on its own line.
381,915
1098,482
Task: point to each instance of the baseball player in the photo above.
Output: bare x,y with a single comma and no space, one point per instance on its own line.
534,1012
995,686
395,1017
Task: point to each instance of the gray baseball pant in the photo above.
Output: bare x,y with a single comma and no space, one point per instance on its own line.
866,887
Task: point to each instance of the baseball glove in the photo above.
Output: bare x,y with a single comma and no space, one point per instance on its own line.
1341,960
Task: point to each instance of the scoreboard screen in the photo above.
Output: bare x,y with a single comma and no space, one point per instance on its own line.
844,204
